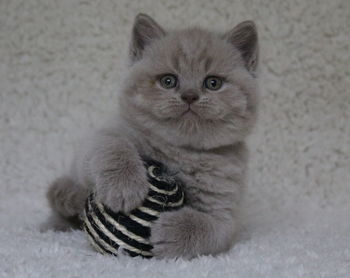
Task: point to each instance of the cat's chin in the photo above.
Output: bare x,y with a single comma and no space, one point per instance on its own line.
192,132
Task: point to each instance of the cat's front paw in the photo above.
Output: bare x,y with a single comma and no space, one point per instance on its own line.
124,197
174,235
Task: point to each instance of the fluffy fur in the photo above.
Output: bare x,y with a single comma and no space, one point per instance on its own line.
203,142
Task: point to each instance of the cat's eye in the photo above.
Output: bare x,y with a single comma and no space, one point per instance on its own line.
168,81
213,83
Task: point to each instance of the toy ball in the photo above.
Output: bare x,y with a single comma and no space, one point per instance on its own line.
113,232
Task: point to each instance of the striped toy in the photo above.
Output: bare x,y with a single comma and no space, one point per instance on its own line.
112,232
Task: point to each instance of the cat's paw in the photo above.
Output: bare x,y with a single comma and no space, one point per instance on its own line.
66,198
57,223
124,197
175,235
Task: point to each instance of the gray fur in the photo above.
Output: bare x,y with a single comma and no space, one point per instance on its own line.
205,145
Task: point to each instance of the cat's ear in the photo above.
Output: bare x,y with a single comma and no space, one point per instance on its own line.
145,30
245,38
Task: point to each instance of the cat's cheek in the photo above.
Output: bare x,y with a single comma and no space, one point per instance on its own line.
139,100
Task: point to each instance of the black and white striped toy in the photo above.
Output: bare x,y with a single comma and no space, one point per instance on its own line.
113,232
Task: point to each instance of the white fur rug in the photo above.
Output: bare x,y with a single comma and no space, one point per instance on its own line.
60,66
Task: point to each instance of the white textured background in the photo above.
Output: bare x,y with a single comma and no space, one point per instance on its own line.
60,66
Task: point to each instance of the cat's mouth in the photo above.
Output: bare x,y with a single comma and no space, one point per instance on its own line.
189,112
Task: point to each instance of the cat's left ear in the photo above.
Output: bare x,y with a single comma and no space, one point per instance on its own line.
145,30
245,38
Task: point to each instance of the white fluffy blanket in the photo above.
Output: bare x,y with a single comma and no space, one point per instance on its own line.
60,65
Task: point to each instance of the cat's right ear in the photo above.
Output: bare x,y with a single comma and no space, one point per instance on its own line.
244,37
145,30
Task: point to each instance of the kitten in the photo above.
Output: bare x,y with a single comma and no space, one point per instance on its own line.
189,101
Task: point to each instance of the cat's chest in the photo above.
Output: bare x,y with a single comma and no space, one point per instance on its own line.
191,163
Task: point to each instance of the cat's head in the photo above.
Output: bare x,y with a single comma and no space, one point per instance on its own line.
192,87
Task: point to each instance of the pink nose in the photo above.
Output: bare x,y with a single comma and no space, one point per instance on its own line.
189,97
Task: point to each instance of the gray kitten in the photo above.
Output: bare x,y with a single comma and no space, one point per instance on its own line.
189,101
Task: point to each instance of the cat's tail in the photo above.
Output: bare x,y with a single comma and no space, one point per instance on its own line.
67,200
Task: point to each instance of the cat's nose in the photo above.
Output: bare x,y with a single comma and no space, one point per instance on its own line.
189,97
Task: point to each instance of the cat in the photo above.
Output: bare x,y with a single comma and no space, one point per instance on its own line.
189,101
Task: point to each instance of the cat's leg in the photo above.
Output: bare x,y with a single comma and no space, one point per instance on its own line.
119,175
66,199
189,233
